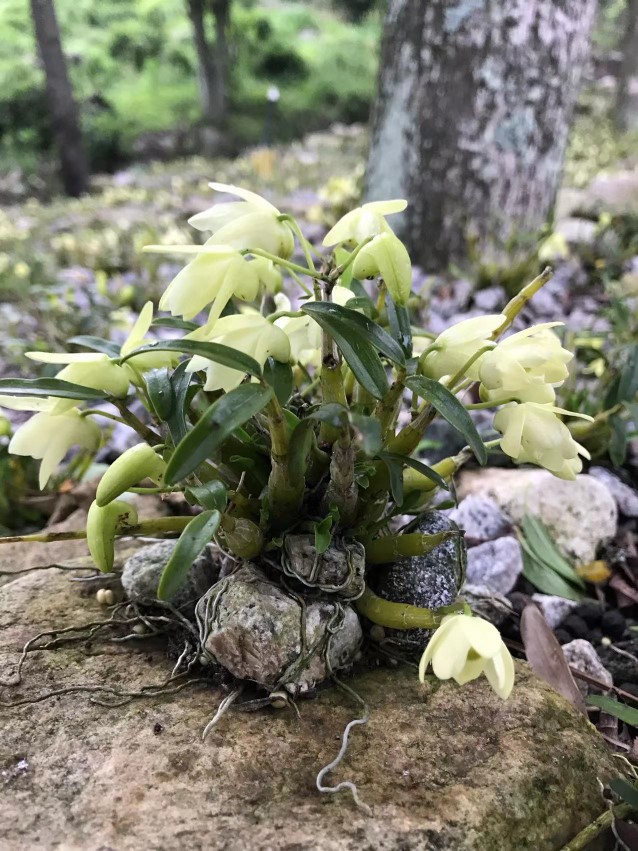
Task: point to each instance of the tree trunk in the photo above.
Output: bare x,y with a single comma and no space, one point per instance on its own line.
213,62
474,106
64,111
628,67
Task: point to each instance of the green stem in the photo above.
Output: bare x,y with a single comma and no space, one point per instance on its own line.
480,406
515,305
387,409
402,615
388,549
305,245
281,313
589,833
284,495
155,526
287,264
155,490
339,270
147,434
95,412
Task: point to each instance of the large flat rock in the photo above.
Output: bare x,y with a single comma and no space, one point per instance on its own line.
442,767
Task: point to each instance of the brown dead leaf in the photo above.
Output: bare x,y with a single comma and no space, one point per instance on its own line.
627,594
627,833
546,657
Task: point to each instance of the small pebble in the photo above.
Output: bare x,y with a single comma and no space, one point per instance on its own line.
595,636
576,625
562,636
140,629
377,633
590,611
613,624
518,601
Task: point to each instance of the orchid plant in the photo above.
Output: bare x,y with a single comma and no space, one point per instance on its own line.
275,414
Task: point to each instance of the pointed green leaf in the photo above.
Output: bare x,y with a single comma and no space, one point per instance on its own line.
216,352
344,318
450,409
173,322
279,376
96,344
48,387
416,465
625,790
160,392
614,707
216,424
190,544
212,495
298,449
176,420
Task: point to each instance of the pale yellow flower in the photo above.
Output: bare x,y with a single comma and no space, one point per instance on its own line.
363,222
48,436
248,333
303,332
252,222
387,257
465,647
455,346
533,434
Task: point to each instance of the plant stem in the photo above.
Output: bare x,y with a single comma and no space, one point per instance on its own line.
147,434
287,264
515,305
157,525
305,245
390,548
388,407
339,270
402,615
95,412
280,313
284,495
589,833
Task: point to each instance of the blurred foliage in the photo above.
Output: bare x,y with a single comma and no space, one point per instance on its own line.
134,71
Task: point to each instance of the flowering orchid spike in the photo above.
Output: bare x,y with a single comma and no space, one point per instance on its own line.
49,436
248,333
364,222
252,222
303,332
454,347
465,647
533,434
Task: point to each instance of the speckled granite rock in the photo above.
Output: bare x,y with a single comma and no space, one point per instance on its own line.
442,767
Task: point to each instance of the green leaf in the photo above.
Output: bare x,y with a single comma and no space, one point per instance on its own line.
212,495
344,318
216,424
160,392
176,420
450,409
191,542
367,433
544,564
416,465
614,707
216,352
628,384
625,790
395,471
546,580
298,449
279,376
400,326
173,322
323,531
618,441
48,387
361,357
96,344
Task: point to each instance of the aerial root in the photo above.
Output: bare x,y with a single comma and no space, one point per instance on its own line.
223,708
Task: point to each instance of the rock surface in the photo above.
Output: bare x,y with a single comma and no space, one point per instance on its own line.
579,514
626,498
495,608
495,564
554,609
580,654
255,632
481,518
142,573
442,767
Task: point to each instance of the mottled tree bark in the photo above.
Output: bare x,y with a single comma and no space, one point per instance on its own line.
474,106
628,66
212,56
64,112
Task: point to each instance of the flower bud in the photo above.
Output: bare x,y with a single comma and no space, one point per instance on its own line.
387,257
101,526
137,463
243,537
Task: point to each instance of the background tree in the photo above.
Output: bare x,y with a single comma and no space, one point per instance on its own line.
474,105
64,112
628,66
212,55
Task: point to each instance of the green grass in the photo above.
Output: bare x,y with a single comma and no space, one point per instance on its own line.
134,70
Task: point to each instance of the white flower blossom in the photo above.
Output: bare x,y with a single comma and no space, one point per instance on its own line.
455,346
363,222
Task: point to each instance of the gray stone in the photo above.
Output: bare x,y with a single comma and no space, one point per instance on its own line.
626,498
495,564
582,656
252,627
621,660
142,573
443,767
481,518
490,299
428,581
493,607
577,232
340,570
554,609
580,514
